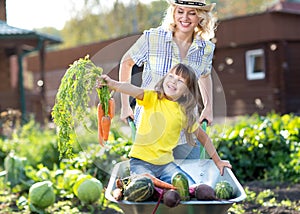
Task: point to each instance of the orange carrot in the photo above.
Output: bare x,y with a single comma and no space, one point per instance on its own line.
159,183
111,107
105,122
100,114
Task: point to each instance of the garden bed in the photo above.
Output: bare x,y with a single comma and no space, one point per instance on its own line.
286,195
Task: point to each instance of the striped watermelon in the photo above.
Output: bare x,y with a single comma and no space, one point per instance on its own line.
224,190
139,189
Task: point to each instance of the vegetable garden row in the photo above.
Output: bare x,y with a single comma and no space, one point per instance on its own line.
259,148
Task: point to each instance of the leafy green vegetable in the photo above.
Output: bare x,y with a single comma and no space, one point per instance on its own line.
72,101
104,95
14,167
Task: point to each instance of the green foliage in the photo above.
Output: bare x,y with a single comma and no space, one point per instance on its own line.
241,7
95,21
31,139
119,20
72,102
14,167
262,147
259,147
265,198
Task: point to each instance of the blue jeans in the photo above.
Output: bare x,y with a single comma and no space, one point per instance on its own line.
163,172
186,151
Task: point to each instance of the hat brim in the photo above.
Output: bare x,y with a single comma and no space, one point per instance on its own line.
208,7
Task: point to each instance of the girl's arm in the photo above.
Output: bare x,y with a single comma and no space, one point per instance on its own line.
211,150
124,87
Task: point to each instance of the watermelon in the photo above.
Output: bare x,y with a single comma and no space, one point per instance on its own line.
180,181
139,189
224,190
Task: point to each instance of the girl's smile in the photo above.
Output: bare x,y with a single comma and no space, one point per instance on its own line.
174,86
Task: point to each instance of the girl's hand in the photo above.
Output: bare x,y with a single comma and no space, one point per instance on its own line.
101,81
221,164
105,80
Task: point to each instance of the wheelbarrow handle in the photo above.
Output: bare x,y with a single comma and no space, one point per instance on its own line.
202,149
132,126
204,124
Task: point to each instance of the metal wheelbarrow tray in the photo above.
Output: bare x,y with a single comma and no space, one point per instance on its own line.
202,171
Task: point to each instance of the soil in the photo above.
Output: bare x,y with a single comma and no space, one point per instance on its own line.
283,191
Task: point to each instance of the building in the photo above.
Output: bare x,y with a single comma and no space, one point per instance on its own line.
256,63
16,89
257,59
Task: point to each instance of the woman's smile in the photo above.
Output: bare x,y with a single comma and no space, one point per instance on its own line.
186,18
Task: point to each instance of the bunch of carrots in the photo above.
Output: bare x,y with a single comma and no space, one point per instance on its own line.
105,113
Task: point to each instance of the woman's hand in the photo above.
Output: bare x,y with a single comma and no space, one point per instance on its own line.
126,112
206,114
205,86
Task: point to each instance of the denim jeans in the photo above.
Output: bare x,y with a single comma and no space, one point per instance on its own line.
186,151
163,172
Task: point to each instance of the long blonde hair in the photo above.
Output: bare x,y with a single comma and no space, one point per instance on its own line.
190,101
205,29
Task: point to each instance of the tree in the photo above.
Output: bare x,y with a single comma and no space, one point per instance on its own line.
226,9
96,21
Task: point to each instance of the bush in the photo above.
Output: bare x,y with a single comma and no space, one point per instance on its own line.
262,147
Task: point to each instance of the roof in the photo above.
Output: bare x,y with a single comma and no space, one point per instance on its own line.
286,7
9,32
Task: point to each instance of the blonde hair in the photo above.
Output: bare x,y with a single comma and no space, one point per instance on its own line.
189,102
205,29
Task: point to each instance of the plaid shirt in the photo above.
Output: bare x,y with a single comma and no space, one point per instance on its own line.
157,51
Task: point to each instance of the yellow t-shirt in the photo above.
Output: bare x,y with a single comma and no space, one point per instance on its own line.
159,129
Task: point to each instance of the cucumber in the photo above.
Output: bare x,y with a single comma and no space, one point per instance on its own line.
180,181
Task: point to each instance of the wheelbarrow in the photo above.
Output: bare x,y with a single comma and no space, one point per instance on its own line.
201,170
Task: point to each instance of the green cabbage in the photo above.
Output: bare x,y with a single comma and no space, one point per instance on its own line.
41,194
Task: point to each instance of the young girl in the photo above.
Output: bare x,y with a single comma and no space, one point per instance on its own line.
184,36
167,110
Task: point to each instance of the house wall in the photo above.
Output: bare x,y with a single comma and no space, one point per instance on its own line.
279,90
245,96
253,29
292,76
9,95
3,10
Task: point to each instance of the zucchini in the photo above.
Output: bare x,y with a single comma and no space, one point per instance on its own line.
180,181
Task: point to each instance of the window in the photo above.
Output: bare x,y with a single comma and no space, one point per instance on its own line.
255,64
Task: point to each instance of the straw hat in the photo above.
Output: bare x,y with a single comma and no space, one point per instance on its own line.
199,4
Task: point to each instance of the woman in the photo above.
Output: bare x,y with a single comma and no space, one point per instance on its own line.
167,110
183,37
